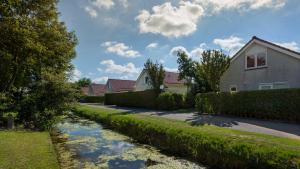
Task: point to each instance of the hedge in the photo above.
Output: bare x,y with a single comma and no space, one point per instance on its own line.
281,104
92,99
209,145
141,99
170,101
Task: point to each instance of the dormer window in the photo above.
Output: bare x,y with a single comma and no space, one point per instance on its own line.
256,59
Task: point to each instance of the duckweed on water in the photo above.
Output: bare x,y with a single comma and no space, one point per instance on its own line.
90,146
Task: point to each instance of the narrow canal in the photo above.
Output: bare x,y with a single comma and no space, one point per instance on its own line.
82,143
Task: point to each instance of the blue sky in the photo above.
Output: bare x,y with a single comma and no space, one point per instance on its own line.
116,37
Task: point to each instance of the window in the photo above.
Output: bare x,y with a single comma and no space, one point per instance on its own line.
256,60
146,80
250,61
280,85
265,86
233,88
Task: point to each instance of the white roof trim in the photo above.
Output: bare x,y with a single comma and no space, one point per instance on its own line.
265,45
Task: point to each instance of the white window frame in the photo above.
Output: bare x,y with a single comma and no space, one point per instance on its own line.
264,85
255,60
233,86
286,83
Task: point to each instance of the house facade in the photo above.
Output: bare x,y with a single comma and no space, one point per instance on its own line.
262,65
117,86
171,83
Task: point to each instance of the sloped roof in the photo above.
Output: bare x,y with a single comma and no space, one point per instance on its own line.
172,78
118,85
97,89
267,44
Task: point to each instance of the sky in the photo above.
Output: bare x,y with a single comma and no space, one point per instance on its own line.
116,37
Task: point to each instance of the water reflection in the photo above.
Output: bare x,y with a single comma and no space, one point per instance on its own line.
89,145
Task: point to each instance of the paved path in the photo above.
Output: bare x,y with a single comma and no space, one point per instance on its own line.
245,124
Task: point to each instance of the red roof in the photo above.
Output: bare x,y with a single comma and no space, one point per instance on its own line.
172,78
97,89
120,85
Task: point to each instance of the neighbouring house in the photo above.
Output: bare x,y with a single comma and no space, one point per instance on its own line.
94,90
117,85
262,65
171,83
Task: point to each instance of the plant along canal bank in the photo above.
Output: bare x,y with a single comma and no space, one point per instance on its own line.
82,143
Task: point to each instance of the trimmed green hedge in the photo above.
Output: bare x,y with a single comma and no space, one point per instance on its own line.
210,145
142,99
268,104
170,101
92,99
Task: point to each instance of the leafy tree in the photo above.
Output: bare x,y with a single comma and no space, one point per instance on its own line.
156,73
83,82
35,49
213,64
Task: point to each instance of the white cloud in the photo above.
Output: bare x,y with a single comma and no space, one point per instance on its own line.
75,75
290,45
124,3
102,79
128,69
99,69
177,49
197,52
169,20
217,6
152,45
171,69
121,49
161,61
92,12
231,44
107,4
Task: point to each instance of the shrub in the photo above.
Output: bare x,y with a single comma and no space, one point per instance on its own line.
142,99
214,146
189,100
169,101
269,104
92,99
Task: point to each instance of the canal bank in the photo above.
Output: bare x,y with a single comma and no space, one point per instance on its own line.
214,146
82,143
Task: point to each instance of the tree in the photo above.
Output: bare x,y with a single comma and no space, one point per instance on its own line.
213,64
35,49
83,82
156,73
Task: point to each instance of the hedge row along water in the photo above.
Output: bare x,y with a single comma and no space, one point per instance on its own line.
214,146
268,104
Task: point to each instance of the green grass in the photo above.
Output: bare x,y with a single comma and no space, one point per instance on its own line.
26,150
211,145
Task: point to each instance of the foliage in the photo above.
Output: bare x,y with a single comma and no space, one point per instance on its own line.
92,99
23,149
170,101
143,99
214,146
269,104
213,64
83,82
35,55
156,73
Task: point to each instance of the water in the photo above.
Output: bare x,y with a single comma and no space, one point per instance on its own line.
83,143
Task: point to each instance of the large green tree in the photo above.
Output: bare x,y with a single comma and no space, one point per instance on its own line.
35,55
83,82
212,66
156,73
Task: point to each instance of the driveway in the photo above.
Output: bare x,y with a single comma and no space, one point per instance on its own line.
274,128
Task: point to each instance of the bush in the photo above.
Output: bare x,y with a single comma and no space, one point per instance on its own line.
189,100
142,99
169,101
281,104
92,99
210,145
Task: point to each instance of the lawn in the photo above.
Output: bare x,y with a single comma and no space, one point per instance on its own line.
215,146
26,150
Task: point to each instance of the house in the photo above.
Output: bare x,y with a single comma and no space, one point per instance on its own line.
94,90
171,82
262,65
117,85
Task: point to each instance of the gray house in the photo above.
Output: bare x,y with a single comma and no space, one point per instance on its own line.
262,65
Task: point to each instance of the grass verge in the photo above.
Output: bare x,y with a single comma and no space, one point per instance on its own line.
26,150
210,145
